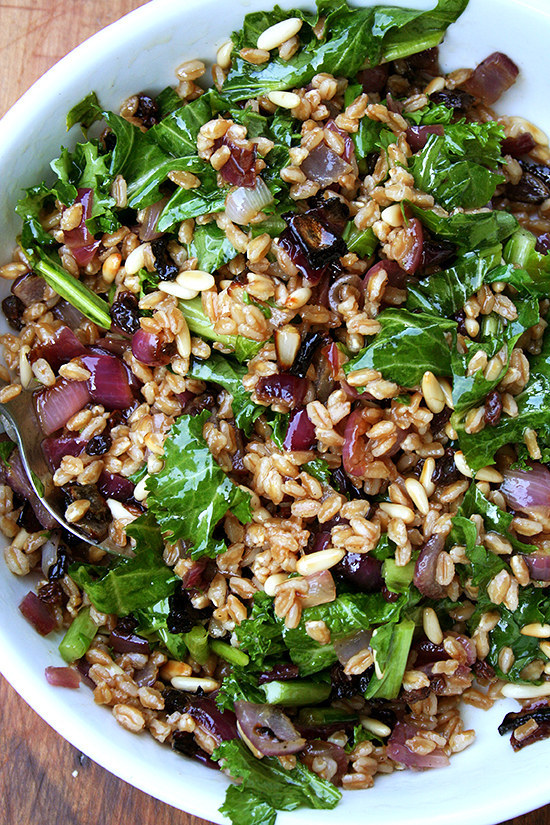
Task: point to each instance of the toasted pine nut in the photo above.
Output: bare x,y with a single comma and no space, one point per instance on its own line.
277,34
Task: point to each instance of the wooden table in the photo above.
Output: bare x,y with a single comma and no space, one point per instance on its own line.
43,779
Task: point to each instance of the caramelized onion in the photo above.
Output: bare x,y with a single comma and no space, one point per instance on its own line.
321,589
268,729
398,750
54,406
425,567
243,204
527,490
324,166
66,677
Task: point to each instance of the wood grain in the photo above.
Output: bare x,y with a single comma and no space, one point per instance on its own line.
43,779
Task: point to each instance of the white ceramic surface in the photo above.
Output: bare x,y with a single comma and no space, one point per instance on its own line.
487,783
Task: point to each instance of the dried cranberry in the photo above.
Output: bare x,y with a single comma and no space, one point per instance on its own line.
13,309
240,167
436,254
99,444
164,264
440,420
493,408
147,111
456,99
344,686
374,80
125,312
174,701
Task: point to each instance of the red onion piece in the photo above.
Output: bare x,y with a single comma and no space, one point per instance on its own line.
324,166
321,589
268,729
16,477
38,614
66,677
79,240
151,214
334,357
335,757
417,136
146,676
337,293
192,577
29,288
321,542
282,387
240,168
68,314
539,567
519,145
108,384
243,204
425,567
83,666
54,448
374,80
111,345
83,255
491,78
60,349
111,485
124,641
397,277
398,750
350,645
349,149
221,724
149,349
353,451
300,434
361,570
54,406
527,490
280,673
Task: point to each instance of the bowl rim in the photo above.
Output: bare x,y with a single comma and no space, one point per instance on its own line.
17,670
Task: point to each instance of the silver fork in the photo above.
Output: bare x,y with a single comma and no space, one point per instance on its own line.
22,426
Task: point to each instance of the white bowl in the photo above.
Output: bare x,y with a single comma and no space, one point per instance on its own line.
485,784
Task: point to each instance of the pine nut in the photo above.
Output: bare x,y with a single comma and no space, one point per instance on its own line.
183,341
322,560
173,288
472,327
375,726
25,371
272,583
393,215
461,464
426,476
447,391
536,629
276,35
119,511
431,626
110,267
137,259
525,691
195,279
298,298
191,684
418,495
77,510
223,56
435,85
433,394
173,668
545,648
286,100
398,511
140,490
490,474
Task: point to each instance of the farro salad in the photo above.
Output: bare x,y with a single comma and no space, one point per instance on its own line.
288,348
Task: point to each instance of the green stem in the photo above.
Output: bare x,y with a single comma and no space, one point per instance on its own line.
291,694
78,637
197,642
519,247
75,292
229,653
312,717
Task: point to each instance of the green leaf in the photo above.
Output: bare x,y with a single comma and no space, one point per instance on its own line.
6,449
240,684
468,230
199,324
390,645
268,781
533,607
130,584
84,112
152,622
398,578
191,494
319,469
362,242
494,518
247,808
351,36
36,199
211,247
406,347
260,635
190,203
220,370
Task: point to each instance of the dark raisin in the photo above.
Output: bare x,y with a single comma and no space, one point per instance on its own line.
164,264
125,312
183,616
518,146
109,141
13,309
184,742
50,593
99,444
344,686
530,189
460,319
175,701
28,520
205,401
493,408
445,468
455,99
147,111
543,243
305,354
440,420
96,520
60,566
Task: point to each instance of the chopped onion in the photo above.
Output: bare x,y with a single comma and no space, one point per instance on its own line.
108,384
324,166
334,757
112,485
425,567
353,451
62,346
527,490
492,77
79,240
350,645
49,554
29,288
66,677
54,448
539,567
398,750
38,614
300,434
243,204
268,729
280,673
16,477
282,387
124,641
149,349
222,725
321,589
56,405
148,229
